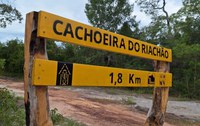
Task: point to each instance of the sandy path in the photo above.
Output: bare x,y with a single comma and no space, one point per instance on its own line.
186,109
72,104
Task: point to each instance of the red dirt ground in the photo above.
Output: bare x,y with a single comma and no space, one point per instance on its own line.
92,112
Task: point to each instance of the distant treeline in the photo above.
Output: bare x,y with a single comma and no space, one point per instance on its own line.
185,66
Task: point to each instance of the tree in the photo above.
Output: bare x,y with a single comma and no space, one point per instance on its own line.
112,15
127,31
186,50
159,30
8,14
108,14
153,7
2,60
191,8
187,22
13,53
185,69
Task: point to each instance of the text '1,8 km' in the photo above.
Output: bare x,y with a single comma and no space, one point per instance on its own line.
119,79
52,73
66,30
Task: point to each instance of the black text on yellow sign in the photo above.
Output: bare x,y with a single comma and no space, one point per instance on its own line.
63,29
52,73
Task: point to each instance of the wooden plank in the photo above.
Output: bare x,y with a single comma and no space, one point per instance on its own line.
156,114
62,29
54,73
35,98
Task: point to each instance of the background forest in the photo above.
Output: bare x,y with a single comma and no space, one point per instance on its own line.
179,31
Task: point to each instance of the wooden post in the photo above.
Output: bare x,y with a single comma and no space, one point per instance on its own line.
156,114
35,98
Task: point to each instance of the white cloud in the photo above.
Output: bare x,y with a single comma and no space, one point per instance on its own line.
69,9
141,16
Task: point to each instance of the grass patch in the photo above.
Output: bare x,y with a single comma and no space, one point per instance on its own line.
18,76
70,122
10,113
172,98
125,90
55,116
128,101
103,101
181,121
116,91
59,120
142,90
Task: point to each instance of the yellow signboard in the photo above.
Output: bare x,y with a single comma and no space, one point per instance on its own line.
53,73
62,29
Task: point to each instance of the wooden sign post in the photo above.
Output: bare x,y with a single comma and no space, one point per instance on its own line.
35,98
40,73
156,114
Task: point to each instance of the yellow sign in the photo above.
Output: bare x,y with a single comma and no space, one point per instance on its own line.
52,73
62,29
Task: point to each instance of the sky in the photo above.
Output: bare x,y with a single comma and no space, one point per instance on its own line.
72,9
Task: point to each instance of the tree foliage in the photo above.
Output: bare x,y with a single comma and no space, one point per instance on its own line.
11,114
160,27
115,16
8,14
182,35
60,52
187,22
13,54
185,68
109,14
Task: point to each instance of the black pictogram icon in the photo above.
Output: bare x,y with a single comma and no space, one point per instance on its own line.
162,79
64,74
151,79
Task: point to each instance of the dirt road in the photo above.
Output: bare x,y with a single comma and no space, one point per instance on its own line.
97,108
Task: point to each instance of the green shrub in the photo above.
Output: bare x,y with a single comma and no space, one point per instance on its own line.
128,101
55,116
58,119
10,113
2,65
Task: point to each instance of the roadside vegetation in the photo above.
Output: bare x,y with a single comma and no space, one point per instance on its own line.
11,64
12,112
59,120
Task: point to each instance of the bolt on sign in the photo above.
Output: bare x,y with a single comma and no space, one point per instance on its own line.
62,29
53,73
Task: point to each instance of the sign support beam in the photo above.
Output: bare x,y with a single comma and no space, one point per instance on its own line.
66,30
156,114
35,98
54,73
